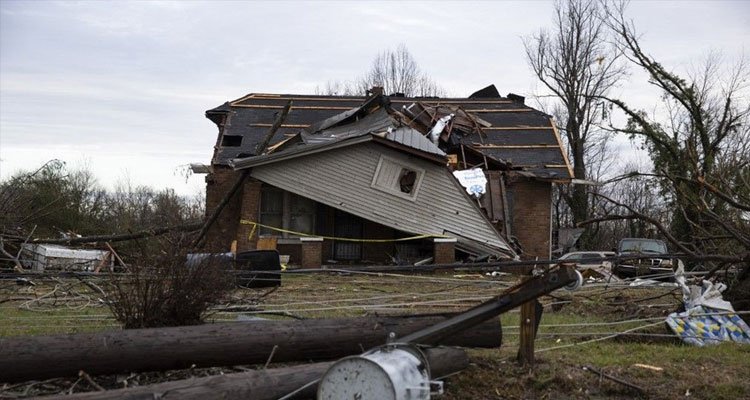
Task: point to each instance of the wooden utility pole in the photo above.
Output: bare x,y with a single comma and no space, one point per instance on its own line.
531,313
42,357
267,384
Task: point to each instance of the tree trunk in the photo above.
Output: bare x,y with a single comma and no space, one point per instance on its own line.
579,201
209,345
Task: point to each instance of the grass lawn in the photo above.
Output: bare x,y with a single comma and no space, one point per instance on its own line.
569,337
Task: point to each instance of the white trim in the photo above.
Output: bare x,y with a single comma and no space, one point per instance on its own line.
395,191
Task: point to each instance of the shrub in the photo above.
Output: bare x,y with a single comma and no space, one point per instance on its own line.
159,289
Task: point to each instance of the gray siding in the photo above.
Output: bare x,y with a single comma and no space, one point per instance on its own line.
342,178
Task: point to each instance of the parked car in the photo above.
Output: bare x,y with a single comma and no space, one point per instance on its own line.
650,259
588,259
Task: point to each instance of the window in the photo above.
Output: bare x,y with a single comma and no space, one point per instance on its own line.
286,211
271,209
397,178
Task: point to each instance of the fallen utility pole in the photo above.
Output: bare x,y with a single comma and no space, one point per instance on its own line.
239,343
268,384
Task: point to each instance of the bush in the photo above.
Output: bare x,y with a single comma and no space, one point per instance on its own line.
160,290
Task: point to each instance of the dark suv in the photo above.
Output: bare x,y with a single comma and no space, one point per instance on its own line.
655,259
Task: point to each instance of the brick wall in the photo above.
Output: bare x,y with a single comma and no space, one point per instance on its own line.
532,212
221,234
444,251
311,252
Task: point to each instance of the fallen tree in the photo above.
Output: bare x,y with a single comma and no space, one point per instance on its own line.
123,236
209,345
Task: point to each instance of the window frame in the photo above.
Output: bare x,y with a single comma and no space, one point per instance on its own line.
395,188
286,213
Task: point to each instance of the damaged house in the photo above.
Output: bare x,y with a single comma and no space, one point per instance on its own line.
385,178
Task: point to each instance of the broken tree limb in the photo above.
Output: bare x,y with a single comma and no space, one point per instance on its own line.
613,378
124,236
275,127
115,255
223,344
266,384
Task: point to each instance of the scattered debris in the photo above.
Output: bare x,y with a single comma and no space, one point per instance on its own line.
601,273
708,318
613,378
39,257
651,367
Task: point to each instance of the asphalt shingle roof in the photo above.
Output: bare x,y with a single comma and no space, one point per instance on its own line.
519,135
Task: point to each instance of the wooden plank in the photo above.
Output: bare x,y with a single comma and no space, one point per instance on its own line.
506,211
282,125
496,199
268,96
562,149
295,107
446,102
498,110
517,128
514,146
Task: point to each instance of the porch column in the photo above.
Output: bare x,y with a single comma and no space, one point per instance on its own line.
311,254
444,251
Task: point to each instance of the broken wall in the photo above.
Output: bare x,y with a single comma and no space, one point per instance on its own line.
531,216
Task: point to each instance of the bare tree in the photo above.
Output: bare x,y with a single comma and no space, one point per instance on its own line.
337,88
396,71
577,63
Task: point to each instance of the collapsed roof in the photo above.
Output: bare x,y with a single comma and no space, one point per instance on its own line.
501,131
380,146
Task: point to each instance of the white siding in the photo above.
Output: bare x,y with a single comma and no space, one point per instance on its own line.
342,178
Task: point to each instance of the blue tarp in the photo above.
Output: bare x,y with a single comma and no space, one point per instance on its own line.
702,325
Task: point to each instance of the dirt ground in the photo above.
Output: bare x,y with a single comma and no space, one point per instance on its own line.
600,342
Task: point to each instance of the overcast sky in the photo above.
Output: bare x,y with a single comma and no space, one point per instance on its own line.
122,87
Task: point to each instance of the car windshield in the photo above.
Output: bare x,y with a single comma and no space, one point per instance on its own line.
643,246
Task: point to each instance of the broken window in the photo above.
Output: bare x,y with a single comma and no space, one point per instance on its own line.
407,180
231,141
287,211
398,178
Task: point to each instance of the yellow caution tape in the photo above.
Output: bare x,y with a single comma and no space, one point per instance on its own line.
273,228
